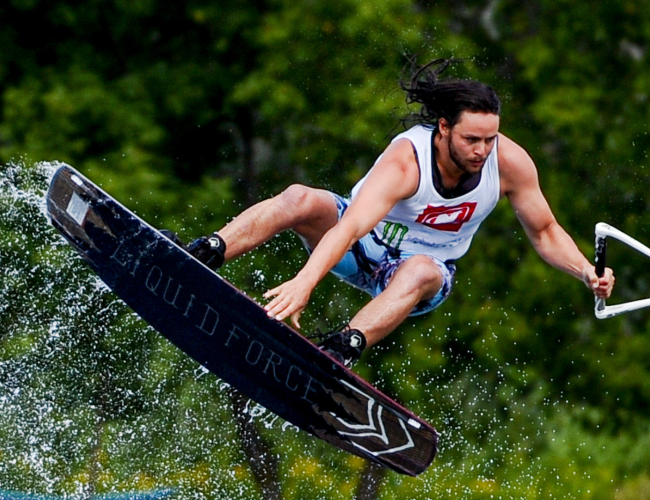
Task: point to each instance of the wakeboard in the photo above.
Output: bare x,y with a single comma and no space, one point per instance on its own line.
231,335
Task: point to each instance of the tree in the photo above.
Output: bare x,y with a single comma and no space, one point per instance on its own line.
189,112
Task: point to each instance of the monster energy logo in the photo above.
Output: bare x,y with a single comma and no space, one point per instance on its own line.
394,233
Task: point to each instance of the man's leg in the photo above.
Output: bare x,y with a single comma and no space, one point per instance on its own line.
417,279
309,212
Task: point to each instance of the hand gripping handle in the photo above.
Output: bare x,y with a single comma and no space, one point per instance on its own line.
601,310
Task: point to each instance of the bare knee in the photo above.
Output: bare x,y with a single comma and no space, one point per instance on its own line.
296,197
299,202
421,276
313,211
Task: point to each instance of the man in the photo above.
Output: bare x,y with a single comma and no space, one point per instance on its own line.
410,218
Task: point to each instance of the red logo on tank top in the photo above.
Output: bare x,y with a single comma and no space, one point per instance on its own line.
447,218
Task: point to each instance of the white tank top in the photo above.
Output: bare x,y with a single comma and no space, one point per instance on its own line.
429,224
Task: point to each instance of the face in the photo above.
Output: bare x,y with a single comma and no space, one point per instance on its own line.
471,140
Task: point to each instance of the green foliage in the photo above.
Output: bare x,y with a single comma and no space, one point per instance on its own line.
189,111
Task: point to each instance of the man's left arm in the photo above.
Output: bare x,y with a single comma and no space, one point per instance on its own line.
520,183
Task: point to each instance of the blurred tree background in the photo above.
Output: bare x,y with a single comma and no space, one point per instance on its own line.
187,112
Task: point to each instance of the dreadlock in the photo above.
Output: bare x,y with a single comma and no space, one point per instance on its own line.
446,98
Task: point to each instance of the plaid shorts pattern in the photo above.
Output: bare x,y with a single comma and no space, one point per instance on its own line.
370,265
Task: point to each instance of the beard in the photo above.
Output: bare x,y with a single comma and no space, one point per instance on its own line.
464,165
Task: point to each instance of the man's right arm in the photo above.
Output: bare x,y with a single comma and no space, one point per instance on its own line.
393,178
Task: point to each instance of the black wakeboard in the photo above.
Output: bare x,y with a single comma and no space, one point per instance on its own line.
231,335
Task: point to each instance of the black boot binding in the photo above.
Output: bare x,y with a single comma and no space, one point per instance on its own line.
346,345
210,250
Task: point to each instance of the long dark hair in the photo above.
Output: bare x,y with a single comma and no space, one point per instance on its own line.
446,98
